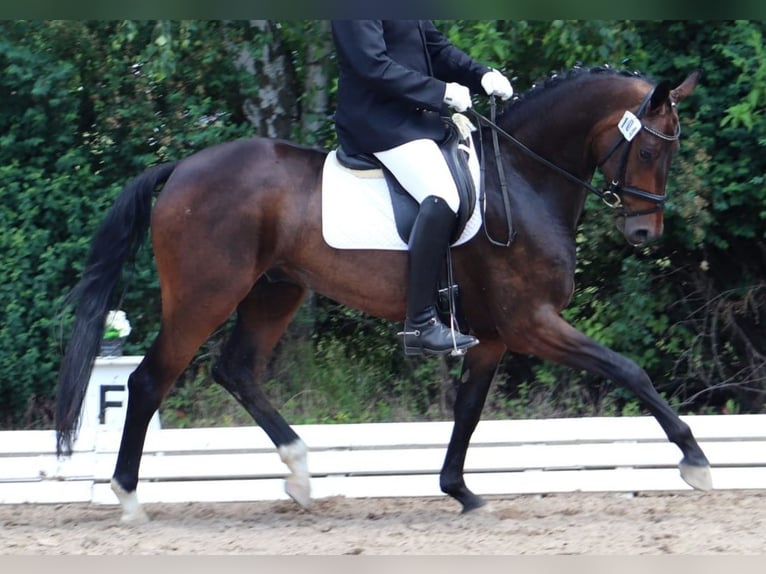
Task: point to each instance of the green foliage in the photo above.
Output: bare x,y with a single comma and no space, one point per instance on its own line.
530,50
322,382
87,106
321,379
746,52
724,123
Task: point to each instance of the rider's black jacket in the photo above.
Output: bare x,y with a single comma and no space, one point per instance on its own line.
392,81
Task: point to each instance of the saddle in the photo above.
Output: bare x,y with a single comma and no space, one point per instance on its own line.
404,205
406,209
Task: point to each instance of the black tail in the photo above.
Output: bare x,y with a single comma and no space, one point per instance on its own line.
117,240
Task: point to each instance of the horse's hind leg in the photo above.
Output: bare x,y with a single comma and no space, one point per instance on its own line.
262,318
179,338
554,339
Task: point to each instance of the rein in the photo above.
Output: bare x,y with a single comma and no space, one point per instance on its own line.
504,193
611,196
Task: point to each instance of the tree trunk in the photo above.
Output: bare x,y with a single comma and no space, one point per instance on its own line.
316,88
272,108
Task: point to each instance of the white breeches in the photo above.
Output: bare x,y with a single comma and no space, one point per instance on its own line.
422,170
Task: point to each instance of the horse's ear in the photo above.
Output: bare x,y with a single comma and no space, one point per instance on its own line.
687,87
660,95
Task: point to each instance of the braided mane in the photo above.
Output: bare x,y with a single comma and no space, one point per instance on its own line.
518,103
557,78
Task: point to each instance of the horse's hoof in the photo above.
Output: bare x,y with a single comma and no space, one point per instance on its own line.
299,491
472,504
132,513
483,508
696,476
135,517
297,484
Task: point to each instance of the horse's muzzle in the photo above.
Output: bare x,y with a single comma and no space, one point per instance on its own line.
640,230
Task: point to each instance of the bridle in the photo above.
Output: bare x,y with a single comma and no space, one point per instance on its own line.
612,194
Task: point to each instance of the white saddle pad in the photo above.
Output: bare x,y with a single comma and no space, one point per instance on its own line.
357,211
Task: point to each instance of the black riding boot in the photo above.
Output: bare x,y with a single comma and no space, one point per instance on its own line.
429,240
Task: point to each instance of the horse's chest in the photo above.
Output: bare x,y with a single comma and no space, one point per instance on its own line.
546,277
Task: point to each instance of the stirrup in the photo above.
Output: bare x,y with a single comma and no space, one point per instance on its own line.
416,347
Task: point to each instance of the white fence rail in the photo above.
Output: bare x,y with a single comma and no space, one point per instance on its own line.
624,454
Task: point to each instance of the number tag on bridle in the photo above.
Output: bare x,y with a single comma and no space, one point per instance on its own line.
629,125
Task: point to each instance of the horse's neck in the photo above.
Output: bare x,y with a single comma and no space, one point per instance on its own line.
559,127
562,140
543,187
560,122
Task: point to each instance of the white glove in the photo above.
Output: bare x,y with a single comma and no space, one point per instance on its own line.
457,96
496,84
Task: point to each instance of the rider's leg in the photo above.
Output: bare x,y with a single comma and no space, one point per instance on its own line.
422,170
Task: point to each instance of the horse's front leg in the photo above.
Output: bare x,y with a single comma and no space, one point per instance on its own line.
554,339
479,368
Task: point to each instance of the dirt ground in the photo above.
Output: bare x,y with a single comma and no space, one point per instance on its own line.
721,522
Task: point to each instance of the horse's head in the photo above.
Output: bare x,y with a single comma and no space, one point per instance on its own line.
636,161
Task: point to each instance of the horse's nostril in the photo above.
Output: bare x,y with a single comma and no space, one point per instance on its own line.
639,236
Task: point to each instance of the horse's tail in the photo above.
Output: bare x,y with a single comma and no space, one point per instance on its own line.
117,240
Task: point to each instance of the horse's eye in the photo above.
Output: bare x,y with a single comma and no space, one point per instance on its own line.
645,154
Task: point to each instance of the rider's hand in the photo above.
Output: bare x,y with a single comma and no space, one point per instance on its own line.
496,84
457,96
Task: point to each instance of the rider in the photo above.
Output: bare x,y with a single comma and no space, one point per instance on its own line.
396,79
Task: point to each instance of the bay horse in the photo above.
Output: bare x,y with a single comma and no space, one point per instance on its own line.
236,228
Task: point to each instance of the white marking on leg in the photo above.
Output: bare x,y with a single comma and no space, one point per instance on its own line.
297,484
697,476
132,513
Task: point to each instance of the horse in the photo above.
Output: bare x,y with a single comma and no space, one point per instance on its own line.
235,230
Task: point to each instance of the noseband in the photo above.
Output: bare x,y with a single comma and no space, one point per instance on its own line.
613,193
